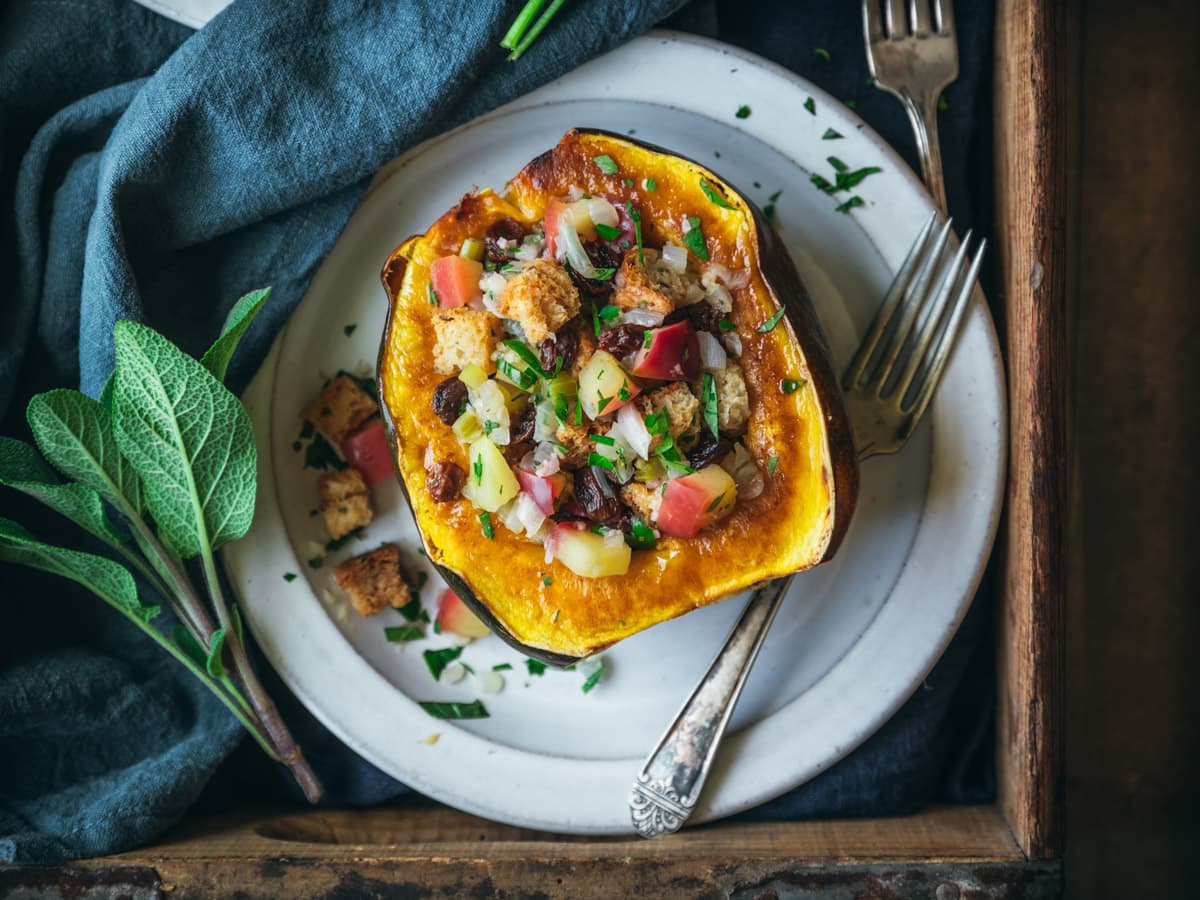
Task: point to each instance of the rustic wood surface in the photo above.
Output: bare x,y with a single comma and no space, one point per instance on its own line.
1133,729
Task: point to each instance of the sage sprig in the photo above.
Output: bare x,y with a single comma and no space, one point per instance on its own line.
162,470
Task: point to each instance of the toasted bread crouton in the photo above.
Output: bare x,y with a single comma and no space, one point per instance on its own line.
464,336
373,581
340,408
587,347
682,409
653,286
575,439
643,499
345,503
541,299
733,403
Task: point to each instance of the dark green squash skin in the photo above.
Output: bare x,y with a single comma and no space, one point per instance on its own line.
783,282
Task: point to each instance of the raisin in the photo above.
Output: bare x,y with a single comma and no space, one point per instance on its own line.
602,257
622,340
515,451
703,316
444,481
565,344
708,450
597,499
507,229
449,399
522,428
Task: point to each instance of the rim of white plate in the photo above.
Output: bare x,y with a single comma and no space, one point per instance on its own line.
779,764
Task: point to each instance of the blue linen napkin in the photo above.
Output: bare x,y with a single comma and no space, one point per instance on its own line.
154,173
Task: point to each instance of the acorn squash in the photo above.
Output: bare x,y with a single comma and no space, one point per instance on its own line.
792,511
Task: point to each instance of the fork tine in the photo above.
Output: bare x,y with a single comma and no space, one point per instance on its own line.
914,300
897,23
931,316
918,14
943,13
945,344
883,315
872,25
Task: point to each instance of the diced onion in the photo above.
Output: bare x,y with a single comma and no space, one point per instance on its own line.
720,297
492,283
489,682
531,248
693,294
633,428
546,461
488,402
675,258
712,354
733,342
509,514
602,212
570,247
613,538
715,273
529,514
641,316
744,471
739,279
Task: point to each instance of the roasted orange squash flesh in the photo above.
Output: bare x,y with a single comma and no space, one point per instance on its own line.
795,523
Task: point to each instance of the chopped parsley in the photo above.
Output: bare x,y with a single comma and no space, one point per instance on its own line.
315,562
535,667
289,576
411,611
772,465
527,355
942,104
440,710
656,423
851,104
489,426
637,230
650,184
606,164
594,678
811,106
713,195
854,201
822,183
349,329
726,325
647,338
610,312
502,667
477,468
743,112
708,393
831,135
595,459
399,634
547,581
771,322
822,52
602,439
485,522
437,660
791,385
716,502
640,536
432,294
628,182
693,238
522,378
320,454
339,543
608,232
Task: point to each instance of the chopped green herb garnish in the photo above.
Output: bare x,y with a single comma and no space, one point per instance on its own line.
440,710
349,329
811,105
432,294
522,378
772,465
526,353
641,536
693,238
602,439
831,135
775,196
854,201
708,394
437,660
713,195
595,320
296,445
851,104
411,611
608,232
315,562
637,230
837,164
743,112
771,322
716,502
595,459
606,164
502,667
822,183
822,52
610,312
942,104
547,581
726,325
791,385
467,668
647,338
594,678
554,618
489,426
437,627
339,543
399,634
485,522
650,184
289,576
478,469
656,423
535,667
628,182
320,454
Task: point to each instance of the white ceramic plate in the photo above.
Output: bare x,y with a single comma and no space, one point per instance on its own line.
854,637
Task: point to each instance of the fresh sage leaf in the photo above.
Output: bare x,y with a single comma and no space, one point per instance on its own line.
216,359
108,580
22,468
188,437
75,434
213,661
191,648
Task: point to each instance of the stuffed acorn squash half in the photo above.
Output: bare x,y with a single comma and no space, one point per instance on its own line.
608,398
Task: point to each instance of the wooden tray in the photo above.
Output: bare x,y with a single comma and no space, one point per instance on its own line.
1009,849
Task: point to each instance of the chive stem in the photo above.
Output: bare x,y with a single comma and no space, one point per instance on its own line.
517,30
538,27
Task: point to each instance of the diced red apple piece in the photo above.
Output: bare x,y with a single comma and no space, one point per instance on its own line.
588,554
672,355
578,211
455,280
543,490
367,451
694,501
604,385
454,617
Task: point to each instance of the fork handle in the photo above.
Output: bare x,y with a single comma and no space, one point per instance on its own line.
669,783
922,113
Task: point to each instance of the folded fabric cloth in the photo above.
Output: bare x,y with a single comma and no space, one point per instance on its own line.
153,173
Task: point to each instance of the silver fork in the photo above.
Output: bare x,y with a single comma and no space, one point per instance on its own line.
913,54
887,388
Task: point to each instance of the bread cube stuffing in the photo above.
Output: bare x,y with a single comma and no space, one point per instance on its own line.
643,499
340,408
463,336
682,409
542,299
374,581
345,502
653,286
733,403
